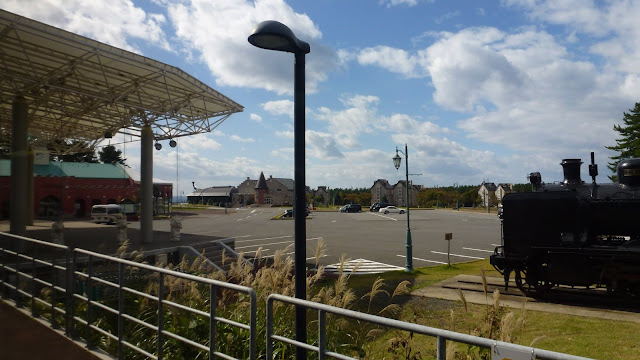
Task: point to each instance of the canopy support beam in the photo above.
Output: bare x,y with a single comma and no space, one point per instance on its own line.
19,168
146,184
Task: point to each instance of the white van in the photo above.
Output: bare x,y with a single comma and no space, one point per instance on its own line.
107,214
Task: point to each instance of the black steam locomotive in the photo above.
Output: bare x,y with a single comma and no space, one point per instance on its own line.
572,233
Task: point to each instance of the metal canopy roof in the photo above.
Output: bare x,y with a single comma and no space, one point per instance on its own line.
77,88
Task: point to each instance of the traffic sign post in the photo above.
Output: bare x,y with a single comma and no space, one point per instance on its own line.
448,237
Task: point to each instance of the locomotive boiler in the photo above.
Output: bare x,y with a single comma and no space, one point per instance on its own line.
572,233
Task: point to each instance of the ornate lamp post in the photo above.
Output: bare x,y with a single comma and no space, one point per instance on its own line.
272,35
397,160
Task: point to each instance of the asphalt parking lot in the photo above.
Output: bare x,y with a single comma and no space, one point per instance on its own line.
375,240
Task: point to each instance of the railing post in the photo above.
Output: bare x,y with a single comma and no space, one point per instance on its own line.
212,320
3,274
160,314
120,311
441,344
34,311
54,280
69,313
17,282
89,288
253,325
322,334
269,323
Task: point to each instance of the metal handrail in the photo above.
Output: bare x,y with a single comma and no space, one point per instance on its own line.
24,264
442,336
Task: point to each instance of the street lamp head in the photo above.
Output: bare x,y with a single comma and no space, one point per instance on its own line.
397,160
273,35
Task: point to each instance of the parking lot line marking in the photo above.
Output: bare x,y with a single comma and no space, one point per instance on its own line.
268,238
254,251
496,245
275,243
472,249
386,217
464,256
431,261
360,267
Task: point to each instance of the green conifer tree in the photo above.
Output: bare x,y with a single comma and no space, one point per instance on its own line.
628,145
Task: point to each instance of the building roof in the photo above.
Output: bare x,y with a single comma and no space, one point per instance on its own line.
262,183
214,191
489,186
384,182
288,183
79,170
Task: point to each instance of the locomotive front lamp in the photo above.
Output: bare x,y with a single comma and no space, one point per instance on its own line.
397,160
273,35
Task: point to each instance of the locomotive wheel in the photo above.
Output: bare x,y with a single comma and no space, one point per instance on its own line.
531,286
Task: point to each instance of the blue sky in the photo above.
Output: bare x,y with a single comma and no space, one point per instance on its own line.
479,90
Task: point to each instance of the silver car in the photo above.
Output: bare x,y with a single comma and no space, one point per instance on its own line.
391,209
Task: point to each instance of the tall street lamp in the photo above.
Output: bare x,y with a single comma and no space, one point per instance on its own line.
273,35
397,160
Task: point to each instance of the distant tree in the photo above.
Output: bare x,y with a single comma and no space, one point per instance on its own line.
384,199
628,145
351,198
319,199
364,198
110,155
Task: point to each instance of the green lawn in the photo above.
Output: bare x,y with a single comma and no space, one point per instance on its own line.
583,336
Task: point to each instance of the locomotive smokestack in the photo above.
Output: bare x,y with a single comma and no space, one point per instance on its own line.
571,169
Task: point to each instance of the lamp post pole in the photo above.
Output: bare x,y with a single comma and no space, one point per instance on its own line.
408,245
272,35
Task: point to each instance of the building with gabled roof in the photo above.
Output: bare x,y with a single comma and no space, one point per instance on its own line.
383,191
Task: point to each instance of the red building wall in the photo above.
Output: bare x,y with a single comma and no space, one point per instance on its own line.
76,195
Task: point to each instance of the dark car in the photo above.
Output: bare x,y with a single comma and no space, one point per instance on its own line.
376,206
351,208
289,212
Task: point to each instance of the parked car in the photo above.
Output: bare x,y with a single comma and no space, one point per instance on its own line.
108,214
351,208
289,212
391,209
500,212
376,206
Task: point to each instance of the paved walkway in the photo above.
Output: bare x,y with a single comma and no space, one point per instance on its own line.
23,337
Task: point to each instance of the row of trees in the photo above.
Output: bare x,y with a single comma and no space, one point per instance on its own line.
448,196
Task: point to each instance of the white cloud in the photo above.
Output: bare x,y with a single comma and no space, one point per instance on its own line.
323,145
285,134
394,60
198,142
217,31
118,23
255,117
241,139
279,107
348,124
390,3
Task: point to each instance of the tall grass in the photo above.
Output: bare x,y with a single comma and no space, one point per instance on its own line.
267,276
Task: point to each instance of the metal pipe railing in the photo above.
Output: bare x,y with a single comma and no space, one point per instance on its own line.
442,336
25,267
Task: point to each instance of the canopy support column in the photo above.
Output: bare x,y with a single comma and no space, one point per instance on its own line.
19,168
146,185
